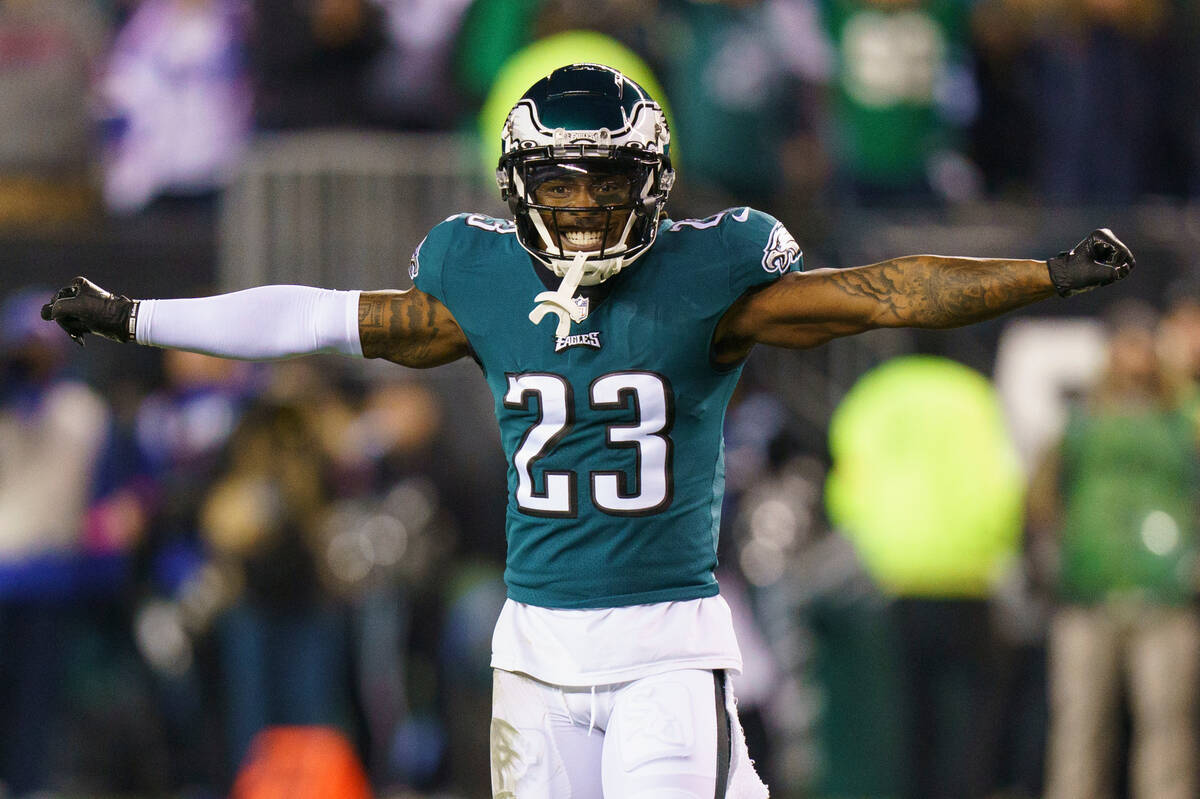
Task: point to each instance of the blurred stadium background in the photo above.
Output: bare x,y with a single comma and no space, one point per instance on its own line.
192,552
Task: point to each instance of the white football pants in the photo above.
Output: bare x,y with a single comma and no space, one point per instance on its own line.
670,736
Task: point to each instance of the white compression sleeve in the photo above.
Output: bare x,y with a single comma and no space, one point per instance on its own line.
258,324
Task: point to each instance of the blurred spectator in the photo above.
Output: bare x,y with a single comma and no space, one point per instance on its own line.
411,83
1177,140
768,520
1041,63
393,549
310,61
383,542
1003,140
740,75
1099,52
472,594
174,101
181,430
631,22
1120,496
282,637
1179,345
355,63
114,737
383,551
492,31
48,51
1066,58
902,95
51,430
927,485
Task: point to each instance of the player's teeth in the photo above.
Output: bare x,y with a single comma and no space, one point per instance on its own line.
582,238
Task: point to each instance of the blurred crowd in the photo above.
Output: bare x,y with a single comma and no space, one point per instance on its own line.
952,598
846,101
240,547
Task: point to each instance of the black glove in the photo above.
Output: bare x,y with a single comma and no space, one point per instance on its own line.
83,307
1098,260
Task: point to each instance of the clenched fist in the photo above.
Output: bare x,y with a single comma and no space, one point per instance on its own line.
1098,260
83,307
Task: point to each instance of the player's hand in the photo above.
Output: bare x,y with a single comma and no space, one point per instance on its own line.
1098,260
83,307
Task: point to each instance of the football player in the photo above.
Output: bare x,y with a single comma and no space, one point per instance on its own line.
611,338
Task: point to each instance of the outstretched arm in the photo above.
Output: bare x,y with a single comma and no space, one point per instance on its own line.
805,309
269,322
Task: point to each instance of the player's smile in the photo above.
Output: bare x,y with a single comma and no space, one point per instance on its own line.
587,231
581,239
583,230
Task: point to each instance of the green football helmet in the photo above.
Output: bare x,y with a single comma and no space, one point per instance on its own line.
587,121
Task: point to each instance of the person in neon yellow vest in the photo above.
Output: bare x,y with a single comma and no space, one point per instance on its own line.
921,450
927,485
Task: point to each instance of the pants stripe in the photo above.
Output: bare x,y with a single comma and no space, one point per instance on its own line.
723,742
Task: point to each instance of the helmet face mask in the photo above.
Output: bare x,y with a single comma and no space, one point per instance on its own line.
594,205
597,187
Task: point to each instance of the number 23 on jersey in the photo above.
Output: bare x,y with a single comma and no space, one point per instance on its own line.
647,394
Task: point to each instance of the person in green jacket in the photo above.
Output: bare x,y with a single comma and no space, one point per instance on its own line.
1119,495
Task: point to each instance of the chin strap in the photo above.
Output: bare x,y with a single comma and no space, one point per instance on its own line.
561,301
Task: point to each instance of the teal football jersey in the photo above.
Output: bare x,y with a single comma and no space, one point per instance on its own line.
613,433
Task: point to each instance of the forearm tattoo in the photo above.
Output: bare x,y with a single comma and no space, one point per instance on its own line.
407,328
934,291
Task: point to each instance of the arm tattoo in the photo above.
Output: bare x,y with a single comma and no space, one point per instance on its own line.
405,327
370,317
932,291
